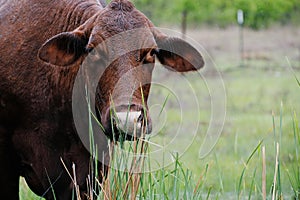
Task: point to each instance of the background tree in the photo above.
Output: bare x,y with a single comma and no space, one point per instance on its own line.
258,13
185,8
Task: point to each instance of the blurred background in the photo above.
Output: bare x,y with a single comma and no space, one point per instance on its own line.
218,13
255,46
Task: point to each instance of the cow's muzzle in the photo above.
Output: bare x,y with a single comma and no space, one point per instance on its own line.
128,122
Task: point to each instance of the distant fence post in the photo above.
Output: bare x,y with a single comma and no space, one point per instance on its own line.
240,20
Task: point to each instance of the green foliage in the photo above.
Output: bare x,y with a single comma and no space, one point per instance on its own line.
258,13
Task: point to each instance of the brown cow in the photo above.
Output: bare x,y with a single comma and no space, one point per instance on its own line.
42,45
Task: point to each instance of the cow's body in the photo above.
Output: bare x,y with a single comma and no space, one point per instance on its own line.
36,126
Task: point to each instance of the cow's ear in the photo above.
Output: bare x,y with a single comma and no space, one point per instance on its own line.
178,54
63,49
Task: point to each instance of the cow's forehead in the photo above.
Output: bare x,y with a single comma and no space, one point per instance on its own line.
124,28
121,5
136,40
121,16
121,28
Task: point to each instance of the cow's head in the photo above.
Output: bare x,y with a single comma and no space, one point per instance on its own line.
123,88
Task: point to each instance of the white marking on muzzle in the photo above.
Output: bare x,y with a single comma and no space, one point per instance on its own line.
129,122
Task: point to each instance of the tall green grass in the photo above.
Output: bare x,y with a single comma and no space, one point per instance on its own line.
175,182
241,179
275,192
178,182
238,168
130,175
294,173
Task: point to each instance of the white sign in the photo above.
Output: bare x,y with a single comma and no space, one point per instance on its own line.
240,17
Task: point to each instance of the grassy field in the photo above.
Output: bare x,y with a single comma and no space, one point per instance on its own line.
252,98
262,99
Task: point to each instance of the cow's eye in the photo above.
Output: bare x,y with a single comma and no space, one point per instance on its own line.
154,51
149,56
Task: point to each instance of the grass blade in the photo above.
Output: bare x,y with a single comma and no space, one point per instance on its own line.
252,184
244,169
264,181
